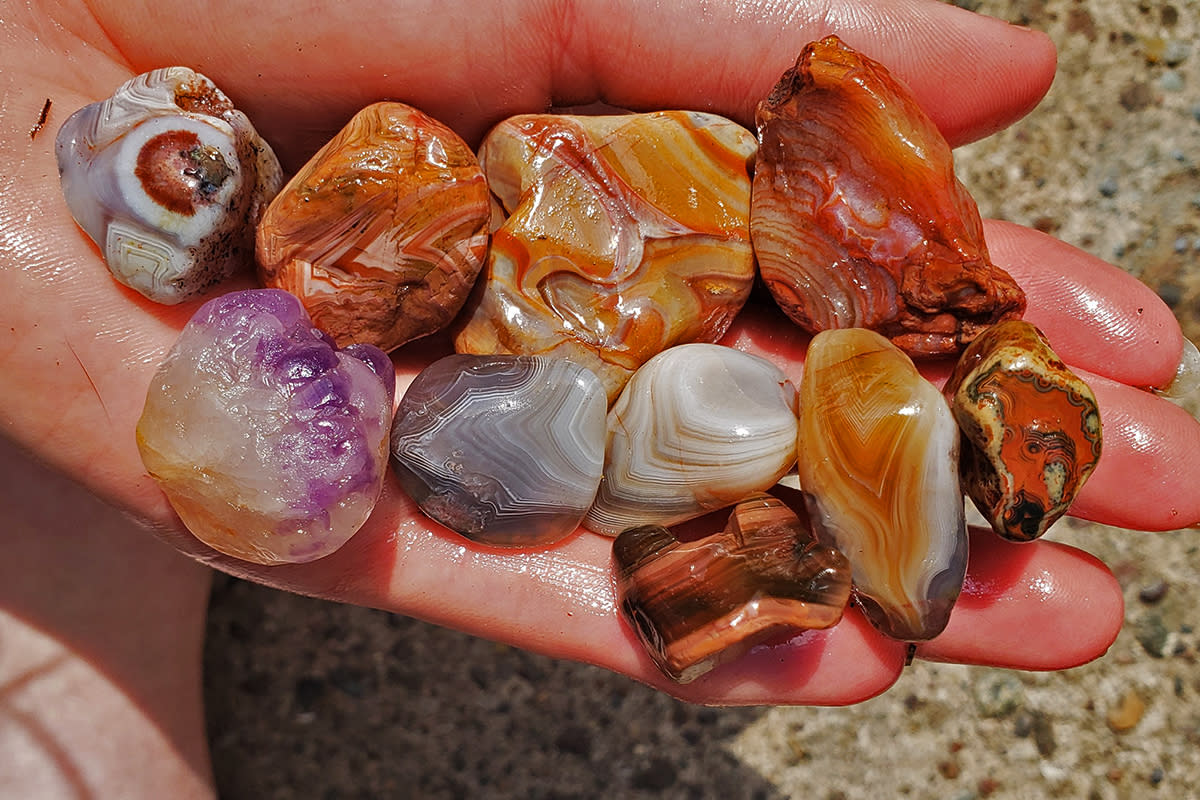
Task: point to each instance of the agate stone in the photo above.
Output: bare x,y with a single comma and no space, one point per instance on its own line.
505,450
878,462
623,235
1031,429
383,232
761,576
699,427
269,441
858,219
169,180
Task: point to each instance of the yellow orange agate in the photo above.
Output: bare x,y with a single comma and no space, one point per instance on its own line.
624,235
878,462
382,234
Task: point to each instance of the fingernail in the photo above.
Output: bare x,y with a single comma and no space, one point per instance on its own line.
1187,377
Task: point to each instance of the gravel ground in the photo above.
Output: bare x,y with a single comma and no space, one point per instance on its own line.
312,700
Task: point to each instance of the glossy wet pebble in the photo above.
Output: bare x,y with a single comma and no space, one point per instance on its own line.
506,450
621,236
169,180
878,461
699,603
383,232
698,428
269,441
1031,429
857,217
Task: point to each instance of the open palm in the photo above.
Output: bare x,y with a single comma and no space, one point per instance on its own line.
77,350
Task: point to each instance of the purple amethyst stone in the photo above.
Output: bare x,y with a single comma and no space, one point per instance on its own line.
269,441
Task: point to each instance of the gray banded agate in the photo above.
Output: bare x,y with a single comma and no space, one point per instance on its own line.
505,450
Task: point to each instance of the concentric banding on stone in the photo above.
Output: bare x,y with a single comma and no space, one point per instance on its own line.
697,428
762,575
1031,429
383,232
877,458
270,443
169,180
624,235
506,450
857,217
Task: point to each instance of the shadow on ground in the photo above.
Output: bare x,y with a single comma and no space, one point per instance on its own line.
360,703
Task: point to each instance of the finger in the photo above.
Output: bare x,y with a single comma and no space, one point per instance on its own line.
972,74
1117,334
1040,605
561,602
472,66
1145,477
1025,606
1096,316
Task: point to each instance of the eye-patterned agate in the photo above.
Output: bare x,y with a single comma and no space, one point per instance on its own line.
764,574
625,235
1031,429
699,427
270,443
506,450
878,462
383,232
169,180
858,219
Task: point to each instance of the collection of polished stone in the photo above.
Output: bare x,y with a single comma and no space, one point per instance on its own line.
586,267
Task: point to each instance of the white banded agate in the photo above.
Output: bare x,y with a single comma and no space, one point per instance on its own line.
169,180
698,427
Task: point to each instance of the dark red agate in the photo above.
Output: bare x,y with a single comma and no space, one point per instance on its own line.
857,218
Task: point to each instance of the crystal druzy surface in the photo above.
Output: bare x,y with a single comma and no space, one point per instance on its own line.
1031,429
506,450
624,235
857,217
699,603
269,441
878,461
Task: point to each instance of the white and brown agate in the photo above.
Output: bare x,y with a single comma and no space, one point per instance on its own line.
762,575
697,428
505,450
858,219
878,462
1031,429
169,180
383,232
624,235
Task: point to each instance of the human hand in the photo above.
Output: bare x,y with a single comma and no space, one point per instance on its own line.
80,349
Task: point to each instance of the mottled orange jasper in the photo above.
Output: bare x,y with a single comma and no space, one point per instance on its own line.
382,234
858,219
625,235
1031,429
697,604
